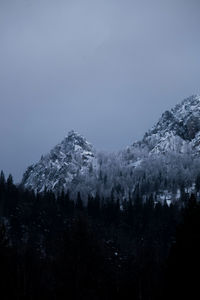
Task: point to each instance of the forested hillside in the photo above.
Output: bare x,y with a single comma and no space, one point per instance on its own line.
57,247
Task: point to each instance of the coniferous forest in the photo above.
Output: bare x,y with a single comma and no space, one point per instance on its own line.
100,133
56,247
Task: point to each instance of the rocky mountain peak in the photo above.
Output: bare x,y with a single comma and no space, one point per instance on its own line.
75,138
187,106
73,156
183,121
74,142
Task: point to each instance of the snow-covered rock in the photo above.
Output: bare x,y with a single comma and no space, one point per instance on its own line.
178,130
56,170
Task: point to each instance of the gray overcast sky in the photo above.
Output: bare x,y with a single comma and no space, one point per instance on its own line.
106,68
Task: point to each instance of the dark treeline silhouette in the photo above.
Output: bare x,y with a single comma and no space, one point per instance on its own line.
55,247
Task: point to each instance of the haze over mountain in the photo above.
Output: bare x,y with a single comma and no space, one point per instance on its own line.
107,69
165,159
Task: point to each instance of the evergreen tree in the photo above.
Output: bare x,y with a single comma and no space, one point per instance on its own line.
2,181
197,183
79,203
10,181
184,260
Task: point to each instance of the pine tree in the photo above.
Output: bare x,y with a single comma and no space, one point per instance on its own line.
2,180
10,181
197,183
184,260
79,203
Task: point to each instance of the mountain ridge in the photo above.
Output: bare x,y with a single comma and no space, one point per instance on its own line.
74,164
181,123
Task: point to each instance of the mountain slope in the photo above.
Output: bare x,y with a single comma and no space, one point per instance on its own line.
178,130
73,156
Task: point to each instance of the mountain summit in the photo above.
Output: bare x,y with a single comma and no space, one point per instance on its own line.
74,155
177,130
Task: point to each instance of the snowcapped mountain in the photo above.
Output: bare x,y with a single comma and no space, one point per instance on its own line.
165,160
168,156
56,170
178,130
